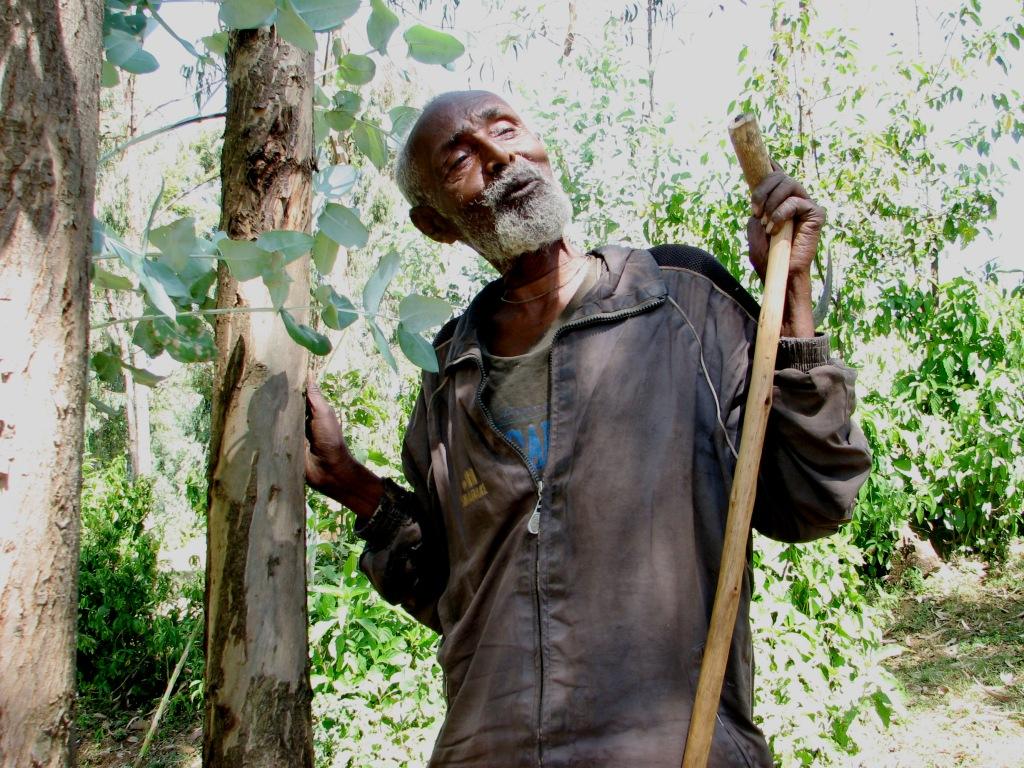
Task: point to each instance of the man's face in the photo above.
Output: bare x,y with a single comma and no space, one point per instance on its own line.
490,178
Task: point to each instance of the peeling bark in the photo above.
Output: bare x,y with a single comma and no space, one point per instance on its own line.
257,676
49,121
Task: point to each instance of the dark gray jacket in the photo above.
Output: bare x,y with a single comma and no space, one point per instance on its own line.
574,638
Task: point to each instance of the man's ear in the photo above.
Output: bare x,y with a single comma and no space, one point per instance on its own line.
432,224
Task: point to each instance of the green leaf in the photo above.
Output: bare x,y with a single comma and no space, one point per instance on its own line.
188,340
144,377
325,252
342,226
420,313
109,76
381,25
217,43
357,69
339,119
349,101
336,180
417,349
144,338
431,46
305,336
378,283
247,14
294,28
166,277
402,120
380,340
244,258
125,51
338,312
290,243
276,280
370,141
176,242
101,278
155,291
322,15
108,368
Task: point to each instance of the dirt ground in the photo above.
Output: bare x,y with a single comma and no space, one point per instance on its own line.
959,634
958,638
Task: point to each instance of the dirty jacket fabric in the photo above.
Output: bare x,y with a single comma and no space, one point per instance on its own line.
573,608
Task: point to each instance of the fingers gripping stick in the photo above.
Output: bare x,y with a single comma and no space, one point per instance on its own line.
753,157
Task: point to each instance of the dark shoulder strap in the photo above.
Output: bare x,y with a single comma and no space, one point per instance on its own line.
703,263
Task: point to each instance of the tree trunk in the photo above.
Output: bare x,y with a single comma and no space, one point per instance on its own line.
49,120
257,675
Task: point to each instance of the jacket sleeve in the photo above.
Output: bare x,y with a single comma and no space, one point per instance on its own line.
815,457
405,556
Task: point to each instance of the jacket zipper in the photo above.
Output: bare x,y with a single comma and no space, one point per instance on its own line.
533,524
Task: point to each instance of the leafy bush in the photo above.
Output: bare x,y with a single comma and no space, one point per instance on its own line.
817,650
133,620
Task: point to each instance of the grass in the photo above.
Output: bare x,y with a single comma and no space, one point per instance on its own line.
959,642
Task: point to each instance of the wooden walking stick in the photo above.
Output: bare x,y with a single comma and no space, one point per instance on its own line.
753,157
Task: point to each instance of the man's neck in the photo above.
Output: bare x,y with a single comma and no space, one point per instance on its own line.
542,268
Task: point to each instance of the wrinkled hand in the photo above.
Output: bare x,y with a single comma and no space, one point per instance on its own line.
777,199
328,461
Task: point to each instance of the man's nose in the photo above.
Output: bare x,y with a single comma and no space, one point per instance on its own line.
495,157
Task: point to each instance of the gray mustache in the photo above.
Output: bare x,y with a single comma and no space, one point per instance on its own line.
514,176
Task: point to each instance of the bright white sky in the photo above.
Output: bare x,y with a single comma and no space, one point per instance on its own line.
696,66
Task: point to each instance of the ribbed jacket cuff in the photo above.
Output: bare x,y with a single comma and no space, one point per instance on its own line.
391,513
802,354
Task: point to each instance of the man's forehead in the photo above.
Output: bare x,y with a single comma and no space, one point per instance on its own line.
453,112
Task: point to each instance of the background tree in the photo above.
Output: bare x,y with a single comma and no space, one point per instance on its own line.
257,680
49,102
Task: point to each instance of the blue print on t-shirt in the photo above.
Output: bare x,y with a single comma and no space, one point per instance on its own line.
535,446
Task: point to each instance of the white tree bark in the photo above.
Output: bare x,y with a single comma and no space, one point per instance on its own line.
50,55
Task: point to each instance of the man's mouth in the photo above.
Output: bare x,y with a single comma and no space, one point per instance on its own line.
520,190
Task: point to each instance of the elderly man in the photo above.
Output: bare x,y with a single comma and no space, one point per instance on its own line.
570,464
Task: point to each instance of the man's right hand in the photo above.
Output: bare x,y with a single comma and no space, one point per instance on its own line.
330,468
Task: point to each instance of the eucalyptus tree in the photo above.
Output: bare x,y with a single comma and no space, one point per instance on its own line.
49,112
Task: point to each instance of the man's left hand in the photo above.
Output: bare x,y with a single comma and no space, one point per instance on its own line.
777,199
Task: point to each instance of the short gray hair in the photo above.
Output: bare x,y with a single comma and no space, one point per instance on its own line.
408,174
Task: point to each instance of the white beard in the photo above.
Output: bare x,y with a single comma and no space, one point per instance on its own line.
525,226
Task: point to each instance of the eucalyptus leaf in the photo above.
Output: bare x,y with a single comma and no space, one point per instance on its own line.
109,76
336,180
342,226
144,377
244,258
370,141
247,14
155,291
338,312
217,43
403,118
294,28
431,46
322,15
144,338
348,101
101,278
290,243
125,51
187,340
339,119
420,313
380,340
108,367
167,278
325,253
378,283
356,68
277,280
176,242
302,334
417,349
381,25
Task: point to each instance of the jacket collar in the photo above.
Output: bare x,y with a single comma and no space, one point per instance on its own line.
629,279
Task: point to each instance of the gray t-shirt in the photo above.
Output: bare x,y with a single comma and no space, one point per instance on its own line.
517,387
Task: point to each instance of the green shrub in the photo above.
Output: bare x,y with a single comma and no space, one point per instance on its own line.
133,620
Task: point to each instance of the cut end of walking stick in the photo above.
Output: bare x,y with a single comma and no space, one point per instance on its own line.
750,148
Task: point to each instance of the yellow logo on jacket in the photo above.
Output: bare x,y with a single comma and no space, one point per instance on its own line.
473,488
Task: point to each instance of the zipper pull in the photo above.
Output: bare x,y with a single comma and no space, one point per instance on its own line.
533,526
